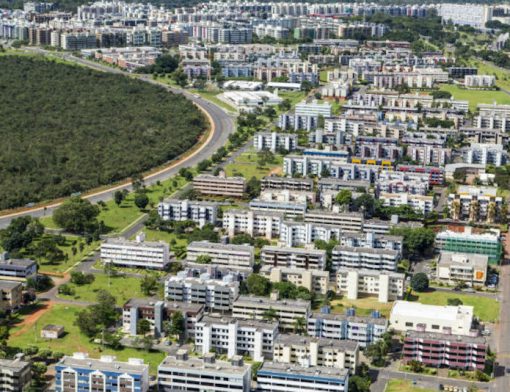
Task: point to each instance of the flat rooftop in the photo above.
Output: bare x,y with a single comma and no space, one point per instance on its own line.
434,312
214,245
222,319
198,364
285,249
291,339
354,319
249,299
104,364
446,337
295,370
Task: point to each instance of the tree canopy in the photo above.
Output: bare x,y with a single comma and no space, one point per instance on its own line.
66,129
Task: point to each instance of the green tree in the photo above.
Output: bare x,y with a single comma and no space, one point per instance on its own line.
258,285
203,259
76,215
141,200
270,314
118,196
344,197
420,282
299,325
143,327
149,285
253,187
98,317
20,233
177,325
418,242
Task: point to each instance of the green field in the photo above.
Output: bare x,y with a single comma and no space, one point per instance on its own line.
157,235
364,306
476,96
404,386
121,287
246,165
486,309
293,96
502,75
73,341
63,266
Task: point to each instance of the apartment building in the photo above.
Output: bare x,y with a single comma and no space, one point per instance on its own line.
399,182
137,254
200,212
364,258
260,308
347,221
215,271
222,254
277,377
274,141
485,154
215,295
15,375
157,312
81,373
493,116
409,316
436,174
429,155
336,184
293,258
287,195
255,223
387,286
479,81
371,240
364,330
419,203
289,208
232,336
295,234
453,267
16,269
183,373
467,242
77,41
289,183
316,281
475,204
313,351
220,185
445,350
11,295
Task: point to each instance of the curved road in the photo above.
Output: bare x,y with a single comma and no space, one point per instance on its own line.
222,125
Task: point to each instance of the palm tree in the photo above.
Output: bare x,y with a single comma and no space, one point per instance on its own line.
456,209
270,315
473,210
491,212
299,325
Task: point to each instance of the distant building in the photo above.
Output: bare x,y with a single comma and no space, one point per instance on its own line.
81,373
11,295
221,185
139,253
293,184
288,257
274,141
182,373
410,316
200,212
15,375
52,331
316,281
277,377
234,336
364,258
454,267
17,269
222,254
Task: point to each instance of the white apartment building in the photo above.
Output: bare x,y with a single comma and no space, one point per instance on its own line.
470,268
234,336
222,254
277,377
138,254
293,234
287,195
364,258
429,155
347,221
215,295
485,154
313,108
258,308
15,375
401,182
475,203
372,240
479,81
475,15
364,330
289,257
493,116
419,203
255,223
219,185
200,212
182,373
411,316
316,281
288,208
274,141
387,286
312,351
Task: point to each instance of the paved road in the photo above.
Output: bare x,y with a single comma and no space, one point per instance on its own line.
222,127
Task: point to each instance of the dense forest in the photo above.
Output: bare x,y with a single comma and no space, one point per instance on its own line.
66,129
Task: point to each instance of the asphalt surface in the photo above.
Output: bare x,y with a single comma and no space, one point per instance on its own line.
223,126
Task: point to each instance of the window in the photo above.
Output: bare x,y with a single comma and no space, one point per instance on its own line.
409,324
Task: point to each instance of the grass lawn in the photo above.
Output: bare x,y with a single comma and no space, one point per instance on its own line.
293,96
71,241
121,287
73,341
213,97
476,96
486,309
156,235
403,386
363,305
246,166
502,75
